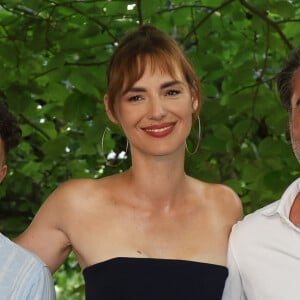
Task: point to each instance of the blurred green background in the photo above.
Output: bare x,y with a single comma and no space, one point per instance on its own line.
53,57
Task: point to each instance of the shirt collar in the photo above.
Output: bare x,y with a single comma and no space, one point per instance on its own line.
283,206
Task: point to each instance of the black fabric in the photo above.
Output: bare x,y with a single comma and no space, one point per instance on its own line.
155,279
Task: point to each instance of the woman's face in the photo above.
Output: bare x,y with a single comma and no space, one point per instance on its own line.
295,115
156,112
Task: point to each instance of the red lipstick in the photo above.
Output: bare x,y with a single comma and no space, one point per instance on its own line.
160,130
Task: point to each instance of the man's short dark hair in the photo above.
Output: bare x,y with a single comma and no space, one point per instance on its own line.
285,79
10,133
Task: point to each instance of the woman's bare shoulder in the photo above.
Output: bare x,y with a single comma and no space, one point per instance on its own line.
80,191
222,199
227,203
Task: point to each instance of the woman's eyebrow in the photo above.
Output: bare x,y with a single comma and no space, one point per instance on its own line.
170,83
134,89
138,89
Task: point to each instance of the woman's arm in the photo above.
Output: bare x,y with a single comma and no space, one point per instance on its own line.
47,235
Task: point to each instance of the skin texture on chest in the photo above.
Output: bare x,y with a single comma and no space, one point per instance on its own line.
118,230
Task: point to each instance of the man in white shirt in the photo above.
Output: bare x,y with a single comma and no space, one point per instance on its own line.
23,276
264,248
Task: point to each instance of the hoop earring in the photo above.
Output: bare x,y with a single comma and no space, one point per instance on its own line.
198,139
101,150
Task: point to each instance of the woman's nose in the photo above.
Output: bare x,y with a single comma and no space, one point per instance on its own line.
157,109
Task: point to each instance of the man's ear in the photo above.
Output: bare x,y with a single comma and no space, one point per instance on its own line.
3,172
109,113
290,130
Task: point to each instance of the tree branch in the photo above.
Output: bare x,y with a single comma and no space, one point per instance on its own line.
26,121
270,22
194,29
139,9
96,21
259,81
78,64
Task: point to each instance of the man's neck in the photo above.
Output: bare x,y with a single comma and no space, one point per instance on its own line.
295,211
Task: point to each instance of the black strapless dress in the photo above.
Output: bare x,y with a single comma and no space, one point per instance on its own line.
154,279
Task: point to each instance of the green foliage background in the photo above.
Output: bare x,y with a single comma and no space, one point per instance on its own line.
53,57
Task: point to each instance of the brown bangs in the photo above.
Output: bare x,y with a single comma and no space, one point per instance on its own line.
135,69
141,48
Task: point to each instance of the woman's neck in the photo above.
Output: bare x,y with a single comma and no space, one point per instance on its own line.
158,180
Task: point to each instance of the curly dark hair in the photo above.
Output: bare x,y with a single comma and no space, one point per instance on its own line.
285,79
10,133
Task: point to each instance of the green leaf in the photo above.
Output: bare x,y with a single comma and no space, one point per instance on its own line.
149,8
270,147
84,82
282,8
55,148
54,56
222,132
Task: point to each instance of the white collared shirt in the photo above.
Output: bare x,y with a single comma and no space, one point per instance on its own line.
264,253
23,276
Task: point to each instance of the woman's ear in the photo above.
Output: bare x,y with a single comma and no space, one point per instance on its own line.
109,113
195,103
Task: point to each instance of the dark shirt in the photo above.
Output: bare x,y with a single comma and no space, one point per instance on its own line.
154,279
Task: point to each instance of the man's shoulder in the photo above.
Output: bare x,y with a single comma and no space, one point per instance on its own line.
253,223
18,254
23,274
260,213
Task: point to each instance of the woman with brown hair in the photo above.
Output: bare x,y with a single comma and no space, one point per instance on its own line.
151,232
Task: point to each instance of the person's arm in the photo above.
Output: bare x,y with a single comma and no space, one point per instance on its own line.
233,286
22,274
42,286
47,235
